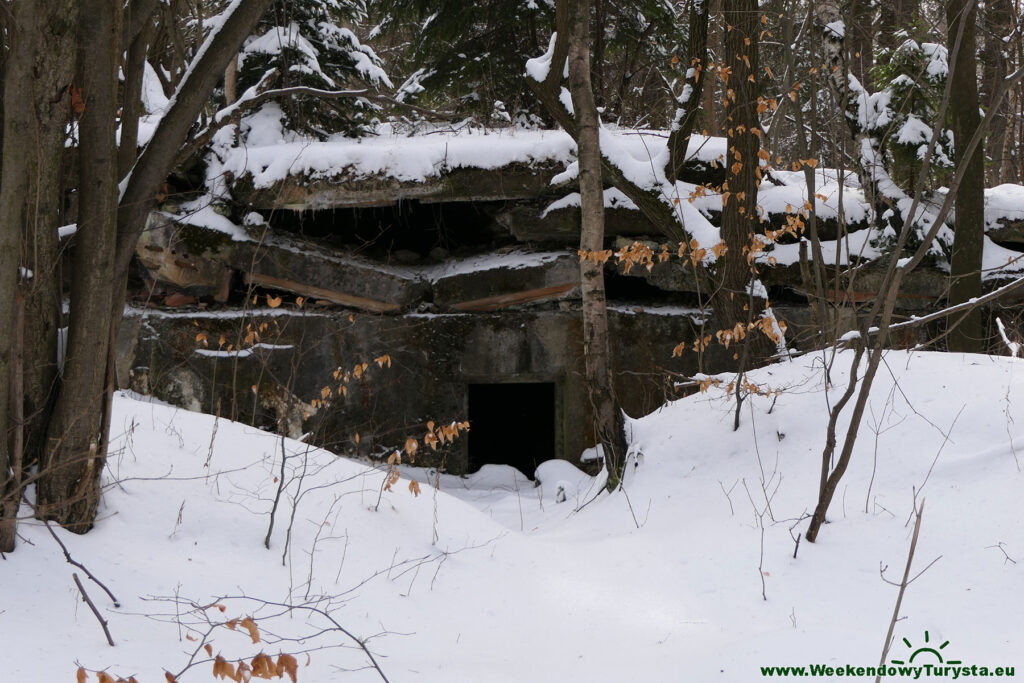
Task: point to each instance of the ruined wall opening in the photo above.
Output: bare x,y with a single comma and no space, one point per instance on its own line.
635,288
404,232
511,424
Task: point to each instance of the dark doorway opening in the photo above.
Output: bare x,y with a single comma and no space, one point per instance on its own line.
511,424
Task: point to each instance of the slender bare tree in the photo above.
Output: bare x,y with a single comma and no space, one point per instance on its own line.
969,231
995,54
608,419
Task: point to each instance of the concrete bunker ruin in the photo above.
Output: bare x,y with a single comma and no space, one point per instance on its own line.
486,329
358,309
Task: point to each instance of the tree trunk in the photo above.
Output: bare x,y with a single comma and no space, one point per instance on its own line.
896,15
687,105
859,16
608,419
710,91
998,23
68,490
40,247
965,264
37,80
134,74
231,82
733,302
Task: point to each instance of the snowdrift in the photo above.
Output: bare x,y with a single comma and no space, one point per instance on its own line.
687,574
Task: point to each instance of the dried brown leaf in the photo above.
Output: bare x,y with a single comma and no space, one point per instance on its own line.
77,101
286,664
250,625
263,666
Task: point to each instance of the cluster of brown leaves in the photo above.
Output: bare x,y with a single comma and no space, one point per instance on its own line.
766,103
276,301
755,247
635,254
709,382
751,388
252,335
261,666
697,192
767,325
800,163
698,345
102,677
728,336
600,257
442,434
771,327
436,435
251,338
747,386
794,227
344,377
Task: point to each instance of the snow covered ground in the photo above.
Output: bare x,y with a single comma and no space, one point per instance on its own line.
493,580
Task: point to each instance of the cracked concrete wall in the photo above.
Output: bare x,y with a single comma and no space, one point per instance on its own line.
433,359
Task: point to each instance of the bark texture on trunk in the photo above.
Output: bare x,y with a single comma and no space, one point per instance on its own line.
37,87
732,302
998,25
969,231
608,420
68,490
688,105
134,72
895,15
860,20
710,94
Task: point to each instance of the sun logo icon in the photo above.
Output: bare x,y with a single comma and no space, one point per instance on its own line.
926,649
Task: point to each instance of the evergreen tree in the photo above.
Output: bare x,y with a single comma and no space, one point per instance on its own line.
310,45
911,78
472,55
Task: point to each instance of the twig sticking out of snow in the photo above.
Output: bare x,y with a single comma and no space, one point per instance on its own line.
1014,347
72,561
88,601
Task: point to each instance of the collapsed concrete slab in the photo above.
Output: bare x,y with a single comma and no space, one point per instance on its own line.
495,281
304,268
351,190
202,260
189,257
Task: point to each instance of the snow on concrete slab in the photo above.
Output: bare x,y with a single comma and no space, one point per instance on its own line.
1003,203
271,157
512,260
